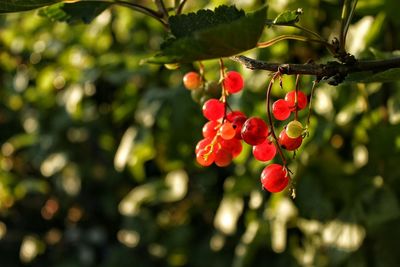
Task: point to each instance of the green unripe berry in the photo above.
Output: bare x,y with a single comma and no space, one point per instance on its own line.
172,66
213,89
294,129
197,94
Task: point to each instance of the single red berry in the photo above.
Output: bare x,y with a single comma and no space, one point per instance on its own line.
301,100
254,131
227,131
192,80
237,124
223,158
281,109
265,151
203,143
289,143
233,82
234,114
233,145
213,109
274,178
210,129
205,157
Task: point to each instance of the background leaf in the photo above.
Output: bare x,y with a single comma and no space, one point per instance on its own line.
74,12
288,17
370,77
7,6
212,39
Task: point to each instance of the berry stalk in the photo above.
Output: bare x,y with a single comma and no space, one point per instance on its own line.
271,125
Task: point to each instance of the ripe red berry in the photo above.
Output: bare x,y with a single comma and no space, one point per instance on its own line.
254,131
213,109
192,80
210,129
234,114
203,143
265,151
205,157
237,124
234,146
227,131
274,178
233,82
289,143
223,158
281,109
301,100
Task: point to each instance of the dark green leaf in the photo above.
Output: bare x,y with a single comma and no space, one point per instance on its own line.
185,25
7,6
369,77
75,12
288,17
220,40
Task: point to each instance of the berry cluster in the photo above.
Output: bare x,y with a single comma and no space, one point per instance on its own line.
225,129
291,137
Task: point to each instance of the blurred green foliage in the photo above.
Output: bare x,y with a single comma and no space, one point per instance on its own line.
97,164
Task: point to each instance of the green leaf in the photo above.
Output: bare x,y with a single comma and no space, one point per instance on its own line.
185,25
288,17
7,6
370,77
74,12
220,36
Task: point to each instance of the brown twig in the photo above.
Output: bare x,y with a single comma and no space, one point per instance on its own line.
337,71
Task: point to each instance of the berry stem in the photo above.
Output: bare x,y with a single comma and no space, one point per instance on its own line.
296,110
271,125
224,93
314,85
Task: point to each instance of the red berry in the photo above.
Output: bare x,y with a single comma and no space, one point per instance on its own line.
210,129
301,100
234,146
192,80
281,109
233,82
274,178
265,151
203,143
289,143
213,109
205,157
227,131
223,158
234,114
237,124
254,131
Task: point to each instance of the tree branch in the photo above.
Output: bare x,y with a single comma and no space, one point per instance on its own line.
335,70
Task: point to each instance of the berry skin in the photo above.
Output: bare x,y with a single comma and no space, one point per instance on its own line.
210,129
294,129
234,146
233,82
265,151
254,131
237,124
223,158
301,100
281,109
204,157
274,178
231,116
288,143
213,109
192,80
227,131
203,143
